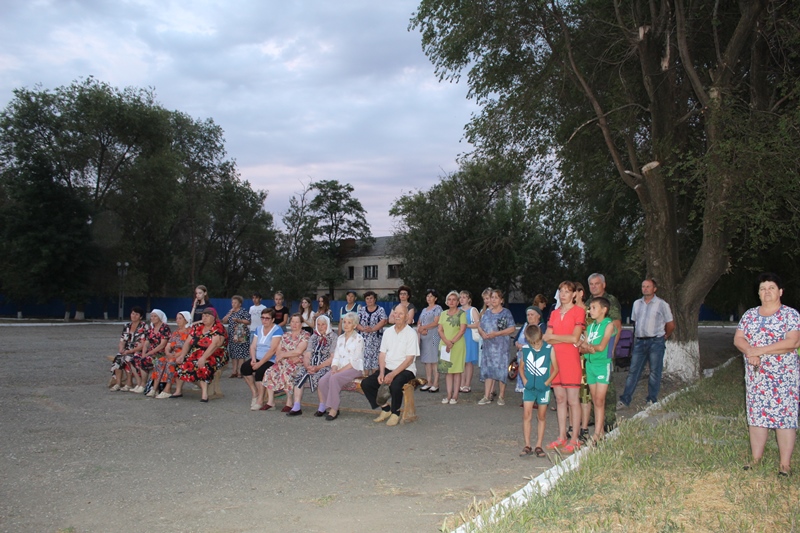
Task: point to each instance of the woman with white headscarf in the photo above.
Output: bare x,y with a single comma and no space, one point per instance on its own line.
165,371
316,362
155,339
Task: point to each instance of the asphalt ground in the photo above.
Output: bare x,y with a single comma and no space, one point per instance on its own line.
75,456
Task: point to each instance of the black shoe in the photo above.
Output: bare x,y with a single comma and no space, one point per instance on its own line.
583,436
319,413
329,417
295,413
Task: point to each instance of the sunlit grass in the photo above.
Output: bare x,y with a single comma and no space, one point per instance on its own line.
678,470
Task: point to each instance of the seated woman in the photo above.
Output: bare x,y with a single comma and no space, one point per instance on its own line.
316,363
131,343
280,376
155,341
203,354
164,374
263,347
347,364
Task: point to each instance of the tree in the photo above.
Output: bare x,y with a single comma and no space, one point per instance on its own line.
338,216
686,104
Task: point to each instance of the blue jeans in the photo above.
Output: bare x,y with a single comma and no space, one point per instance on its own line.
649,351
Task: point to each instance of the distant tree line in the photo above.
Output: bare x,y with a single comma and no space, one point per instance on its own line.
92,175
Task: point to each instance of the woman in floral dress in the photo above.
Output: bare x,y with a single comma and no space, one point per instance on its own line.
768,337
496,326
204,354
165,370
131,343
316,363
428,331
371,318
280,376
156,338
238,334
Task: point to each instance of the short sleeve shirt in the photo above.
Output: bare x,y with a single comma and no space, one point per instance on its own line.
398,346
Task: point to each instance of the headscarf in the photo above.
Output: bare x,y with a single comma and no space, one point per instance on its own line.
186,316
211,311
160,314
324,340
533,308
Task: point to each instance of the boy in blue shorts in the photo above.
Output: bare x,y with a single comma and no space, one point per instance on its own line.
538,370
598,364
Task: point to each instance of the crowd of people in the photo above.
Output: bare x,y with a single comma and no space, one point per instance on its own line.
563,352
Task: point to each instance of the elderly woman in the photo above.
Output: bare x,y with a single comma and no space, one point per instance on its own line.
238,334
164,373
496,327
347,365
131,343
263,347
280,376
203,355
452,325
316,363
768,337
371,318
155,340
428,331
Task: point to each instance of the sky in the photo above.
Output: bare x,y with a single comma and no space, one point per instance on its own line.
305,90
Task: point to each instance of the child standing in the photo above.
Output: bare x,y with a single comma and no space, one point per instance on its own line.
539,367
598,365
255,313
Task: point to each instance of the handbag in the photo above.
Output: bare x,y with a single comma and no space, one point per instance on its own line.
513,369
241,332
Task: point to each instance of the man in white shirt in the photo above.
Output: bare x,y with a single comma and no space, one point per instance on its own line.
654,325
399,348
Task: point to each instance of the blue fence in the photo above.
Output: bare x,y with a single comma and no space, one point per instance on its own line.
172,306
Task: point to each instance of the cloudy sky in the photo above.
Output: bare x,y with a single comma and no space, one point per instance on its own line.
303,89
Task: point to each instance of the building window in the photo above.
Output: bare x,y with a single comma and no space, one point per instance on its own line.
351,272
394,271
371,272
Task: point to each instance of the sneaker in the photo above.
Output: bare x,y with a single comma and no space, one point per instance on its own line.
425,387
444,400
163,395
151,394
138,390
125,388
393,420
484,401
115,388
501,401
453,401
383,416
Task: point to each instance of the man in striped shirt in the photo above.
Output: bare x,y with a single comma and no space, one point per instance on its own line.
654,325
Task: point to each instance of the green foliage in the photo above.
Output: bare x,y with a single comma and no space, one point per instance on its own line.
155,184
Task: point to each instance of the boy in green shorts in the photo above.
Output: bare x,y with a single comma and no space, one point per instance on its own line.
598,363
538,370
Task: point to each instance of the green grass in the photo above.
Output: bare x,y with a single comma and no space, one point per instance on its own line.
679,470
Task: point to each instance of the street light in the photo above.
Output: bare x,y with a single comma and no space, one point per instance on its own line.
122,271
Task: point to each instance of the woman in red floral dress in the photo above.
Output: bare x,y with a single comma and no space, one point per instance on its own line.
280,376
204,354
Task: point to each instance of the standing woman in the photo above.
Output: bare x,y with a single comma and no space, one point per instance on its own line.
350,306
165,370
496,327
371,319
563,333
155,341
238,334
403,294
307,314
316,363
323,306
131,343
202,355
428,331
472,346
280,376
768,337
452,325
201,303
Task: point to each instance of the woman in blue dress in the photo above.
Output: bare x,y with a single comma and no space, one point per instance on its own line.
496,327
428,331
465,299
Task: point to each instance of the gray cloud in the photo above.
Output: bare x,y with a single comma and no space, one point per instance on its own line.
328,90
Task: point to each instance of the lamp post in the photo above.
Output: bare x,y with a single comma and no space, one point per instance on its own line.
122,271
